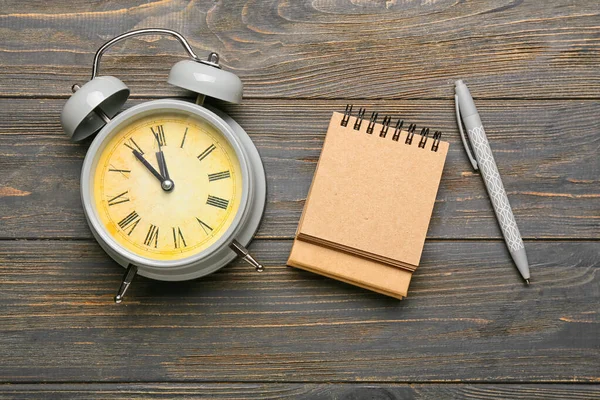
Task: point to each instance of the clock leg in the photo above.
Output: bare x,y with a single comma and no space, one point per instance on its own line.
245,255
127,278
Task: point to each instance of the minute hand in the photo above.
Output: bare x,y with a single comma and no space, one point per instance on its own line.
149,166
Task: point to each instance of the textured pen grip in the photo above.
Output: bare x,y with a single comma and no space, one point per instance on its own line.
495,188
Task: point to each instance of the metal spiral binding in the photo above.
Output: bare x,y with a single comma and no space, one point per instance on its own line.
359,119
436,140
372,122
385,125
398,129
411,132
424,134
347,114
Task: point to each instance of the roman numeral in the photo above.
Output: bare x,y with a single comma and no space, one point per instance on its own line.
183,140
118,199
217,202
130,222
125,171
204,226
120,171
152,236
178,239
206,152
131,144
159,135
218,175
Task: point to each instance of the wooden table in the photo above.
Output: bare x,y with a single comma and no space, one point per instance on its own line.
469,328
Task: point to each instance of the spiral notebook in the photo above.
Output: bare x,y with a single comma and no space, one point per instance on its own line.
369,206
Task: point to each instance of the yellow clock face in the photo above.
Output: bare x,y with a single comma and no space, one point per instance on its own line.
167,186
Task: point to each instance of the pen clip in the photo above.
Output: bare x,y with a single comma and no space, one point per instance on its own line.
462,135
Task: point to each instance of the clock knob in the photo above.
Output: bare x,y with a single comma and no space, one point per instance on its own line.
207,78
92,106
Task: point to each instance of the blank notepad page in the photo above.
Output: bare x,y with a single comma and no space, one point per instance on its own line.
373,196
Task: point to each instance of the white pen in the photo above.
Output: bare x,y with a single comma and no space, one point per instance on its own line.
484,161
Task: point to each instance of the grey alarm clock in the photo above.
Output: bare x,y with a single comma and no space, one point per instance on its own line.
172,190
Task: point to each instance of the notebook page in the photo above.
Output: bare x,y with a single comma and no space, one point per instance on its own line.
373,196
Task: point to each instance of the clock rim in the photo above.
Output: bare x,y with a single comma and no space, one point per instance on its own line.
109,130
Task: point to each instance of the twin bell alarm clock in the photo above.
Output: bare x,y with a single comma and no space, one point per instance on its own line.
172,190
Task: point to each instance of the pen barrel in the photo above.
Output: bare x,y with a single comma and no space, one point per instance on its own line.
493,183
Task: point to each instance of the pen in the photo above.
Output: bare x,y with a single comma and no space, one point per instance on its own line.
484,161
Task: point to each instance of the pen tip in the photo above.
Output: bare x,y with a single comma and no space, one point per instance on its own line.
527,281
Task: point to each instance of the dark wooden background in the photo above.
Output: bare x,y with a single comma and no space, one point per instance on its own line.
469,328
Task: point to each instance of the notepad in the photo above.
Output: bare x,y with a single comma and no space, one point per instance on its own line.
368,209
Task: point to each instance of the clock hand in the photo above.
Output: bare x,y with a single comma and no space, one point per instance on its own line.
162,165
167,183
150,168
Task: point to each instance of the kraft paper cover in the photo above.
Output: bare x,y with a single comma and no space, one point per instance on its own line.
349,268
373,196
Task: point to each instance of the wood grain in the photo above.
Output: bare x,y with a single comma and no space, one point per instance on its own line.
469,328
468,318
233,391
547,153
314,49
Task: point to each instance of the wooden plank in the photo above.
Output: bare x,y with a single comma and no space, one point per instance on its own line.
546,152
333,49
232,391
468,318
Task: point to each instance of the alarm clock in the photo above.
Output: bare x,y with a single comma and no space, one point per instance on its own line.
171,189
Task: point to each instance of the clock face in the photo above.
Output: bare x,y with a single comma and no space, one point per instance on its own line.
173,209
